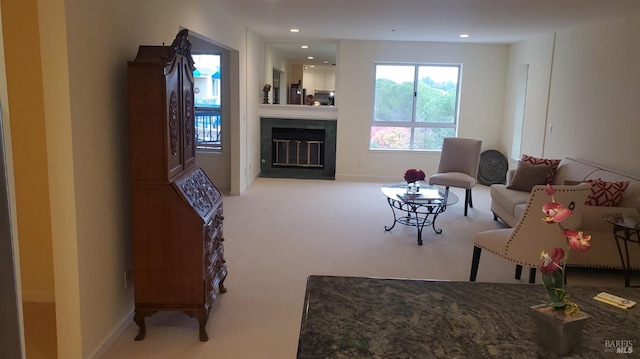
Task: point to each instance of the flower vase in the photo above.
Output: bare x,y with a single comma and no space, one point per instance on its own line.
411,188
558,332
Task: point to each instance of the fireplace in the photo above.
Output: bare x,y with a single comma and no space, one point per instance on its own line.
298,148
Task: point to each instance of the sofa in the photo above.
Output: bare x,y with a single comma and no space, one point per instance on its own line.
510,205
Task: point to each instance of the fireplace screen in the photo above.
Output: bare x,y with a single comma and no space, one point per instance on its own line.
298,147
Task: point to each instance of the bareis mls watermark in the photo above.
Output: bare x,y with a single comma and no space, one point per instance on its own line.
618,346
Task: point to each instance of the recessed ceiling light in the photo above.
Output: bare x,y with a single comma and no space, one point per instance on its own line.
294,30
310,57
304,46
465,35
325,62
312,65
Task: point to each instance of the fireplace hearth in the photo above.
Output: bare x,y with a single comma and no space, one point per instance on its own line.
298,148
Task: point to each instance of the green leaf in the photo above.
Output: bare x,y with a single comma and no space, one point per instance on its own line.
554,284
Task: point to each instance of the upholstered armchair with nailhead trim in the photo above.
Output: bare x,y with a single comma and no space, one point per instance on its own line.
531,235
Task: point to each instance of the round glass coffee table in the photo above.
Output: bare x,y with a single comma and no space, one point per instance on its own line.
417,209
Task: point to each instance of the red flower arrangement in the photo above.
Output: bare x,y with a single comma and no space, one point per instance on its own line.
414,175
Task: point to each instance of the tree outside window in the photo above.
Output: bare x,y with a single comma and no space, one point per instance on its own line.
415,106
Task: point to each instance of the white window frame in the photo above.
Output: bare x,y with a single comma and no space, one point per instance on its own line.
411,123
208,117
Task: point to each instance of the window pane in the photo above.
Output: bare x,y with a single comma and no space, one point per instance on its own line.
207,102
415,106
437,93
431,138
394,93
207,80
390,137
207,122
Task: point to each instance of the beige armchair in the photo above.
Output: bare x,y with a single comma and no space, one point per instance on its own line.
531,235
458,166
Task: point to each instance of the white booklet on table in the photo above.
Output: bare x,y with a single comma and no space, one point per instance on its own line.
425,194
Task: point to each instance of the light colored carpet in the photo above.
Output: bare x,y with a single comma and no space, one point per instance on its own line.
283,230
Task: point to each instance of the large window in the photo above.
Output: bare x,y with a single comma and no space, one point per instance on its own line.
415,106
208,117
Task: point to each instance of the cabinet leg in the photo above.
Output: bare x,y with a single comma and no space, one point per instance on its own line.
143,330
139,319
201,316
203,330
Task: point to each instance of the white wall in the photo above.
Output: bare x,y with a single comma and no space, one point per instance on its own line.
481,102
594,94
537,53
274,60
253,94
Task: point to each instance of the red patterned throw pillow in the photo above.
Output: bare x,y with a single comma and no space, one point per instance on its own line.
544,162
605,194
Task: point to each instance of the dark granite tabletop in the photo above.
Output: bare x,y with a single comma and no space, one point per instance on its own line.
350,317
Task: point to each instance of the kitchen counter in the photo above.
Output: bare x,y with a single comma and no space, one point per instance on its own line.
352,317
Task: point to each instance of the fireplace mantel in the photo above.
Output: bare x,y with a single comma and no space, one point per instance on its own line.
298,112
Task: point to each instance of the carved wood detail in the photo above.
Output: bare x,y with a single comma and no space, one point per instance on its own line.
199,191
189,119
181,46
173,122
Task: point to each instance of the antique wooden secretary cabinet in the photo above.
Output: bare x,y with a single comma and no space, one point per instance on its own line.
178,256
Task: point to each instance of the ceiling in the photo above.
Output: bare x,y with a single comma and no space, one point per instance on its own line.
486,21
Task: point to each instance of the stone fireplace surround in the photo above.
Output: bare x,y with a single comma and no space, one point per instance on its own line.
307,128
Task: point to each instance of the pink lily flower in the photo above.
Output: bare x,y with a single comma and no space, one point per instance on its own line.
551,262
577,240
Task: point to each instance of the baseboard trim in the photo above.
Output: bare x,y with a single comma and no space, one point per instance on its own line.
112,337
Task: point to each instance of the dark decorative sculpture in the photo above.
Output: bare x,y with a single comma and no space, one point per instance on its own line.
265,91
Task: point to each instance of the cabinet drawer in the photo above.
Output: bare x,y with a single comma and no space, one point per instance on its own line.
211,283
210,234
213,229
214,261
218,217
220,272
210,291
209,264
